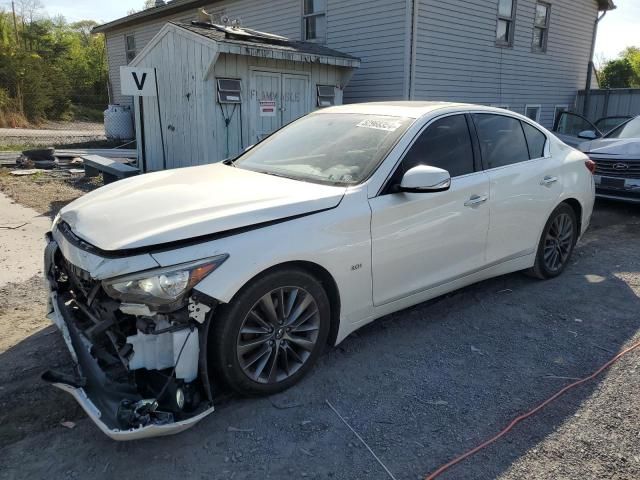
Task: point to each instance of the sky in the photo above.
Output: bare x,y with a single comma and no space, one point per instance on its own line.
619,29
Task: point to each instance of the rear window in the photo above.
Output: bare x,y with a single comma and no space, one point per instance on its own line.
536,140
502,140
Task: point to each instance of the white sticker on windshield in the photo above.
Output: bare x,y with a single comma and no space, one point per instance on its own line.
377,124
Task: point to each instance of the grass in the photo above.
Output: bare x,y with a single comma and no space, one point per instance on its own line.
21,147
81,113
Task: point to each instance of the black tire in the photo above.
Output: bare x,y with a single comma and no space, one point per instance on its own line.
226,340
544,268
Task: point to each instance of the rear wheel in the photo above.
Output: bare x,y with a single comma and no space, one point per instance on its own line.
272,333
557,243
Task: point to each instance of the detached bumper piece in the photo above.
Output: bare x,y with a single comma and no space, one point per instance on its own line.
127,388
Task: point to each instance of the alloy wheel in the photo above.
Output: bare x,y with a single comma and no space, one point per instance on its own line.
558,242
278,335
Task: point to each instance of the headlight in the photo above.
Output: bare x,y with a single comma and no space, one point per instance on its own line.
163,289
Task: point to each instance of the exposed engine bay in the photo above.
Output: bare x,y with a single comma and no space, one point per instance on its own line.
136,368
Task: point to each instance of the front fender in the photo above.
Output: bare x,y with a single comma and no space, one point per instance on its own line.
338,240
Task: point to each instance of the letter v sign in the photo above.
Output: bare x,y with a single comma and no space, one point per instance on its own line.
139,83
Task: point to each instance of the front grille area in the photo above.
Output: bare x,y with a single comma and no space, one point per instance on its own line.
617,168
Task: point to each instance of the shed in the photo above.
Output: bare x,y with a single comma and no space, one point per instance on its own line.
223,88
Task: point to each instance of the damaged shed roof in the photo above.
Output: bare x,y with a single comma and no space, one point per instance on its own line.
260,44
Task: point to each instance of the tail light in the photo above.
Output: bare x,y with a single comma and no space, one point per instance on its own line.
591,166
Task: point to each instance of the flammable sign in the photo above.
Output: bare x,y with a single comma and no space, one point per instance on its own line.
267,108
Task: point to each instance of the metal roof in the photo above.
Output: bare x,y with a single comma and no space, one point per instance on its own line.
176,6
284,45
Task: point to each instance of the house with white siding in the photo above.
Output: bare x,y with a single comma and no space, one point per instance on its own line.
530,56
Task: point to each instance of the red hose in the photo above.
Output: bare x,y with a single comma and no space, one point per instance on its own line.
535,410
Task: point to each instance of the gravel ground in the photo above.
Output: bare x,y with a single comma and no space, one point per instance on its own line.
420,386
51,133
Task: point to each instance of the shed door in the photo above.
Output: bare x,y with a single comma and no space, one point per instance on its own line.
290,94
295,100
267,87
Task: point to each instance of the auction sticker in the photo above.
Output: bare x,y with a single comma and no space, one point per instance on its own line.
380,124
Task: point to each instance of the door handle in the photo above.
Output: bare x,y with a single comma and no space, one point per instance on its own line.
548,181
476,200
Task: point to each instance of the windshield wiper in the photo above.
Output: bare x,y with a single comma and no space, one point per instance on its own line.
231,162
275,174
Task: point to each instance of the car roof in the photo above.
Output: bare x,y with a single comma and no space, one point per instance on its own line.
406,109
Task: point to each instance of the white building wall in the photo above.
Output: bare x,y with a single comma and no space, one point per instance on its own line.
457,58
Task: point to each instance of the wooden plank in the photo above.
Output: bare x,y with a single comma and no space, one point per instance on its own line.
108,153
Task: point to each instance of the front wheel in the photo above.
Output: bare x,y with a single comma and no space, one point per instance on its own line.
272,332
556,245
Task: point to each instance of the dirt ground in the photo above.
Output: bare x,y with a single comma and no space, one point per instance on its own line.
48,191
420,386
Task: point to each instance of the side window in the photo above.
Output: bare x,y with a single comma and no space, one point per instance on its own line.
536,140
502,140
314,20
533,112
506,22
130,46
444,144
541,27
572,124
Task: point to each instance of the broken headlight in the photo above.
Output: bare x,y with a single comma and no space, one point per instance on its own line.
162,289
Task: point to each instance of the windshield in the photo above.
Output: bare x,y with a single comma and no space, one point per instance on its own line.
332,148
607,124
631,129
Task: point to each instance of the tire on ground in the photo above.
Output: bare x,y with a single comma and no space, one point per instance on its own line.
229,318
539,269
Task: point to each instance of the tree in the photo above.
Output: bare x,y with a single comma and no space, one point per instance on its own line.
633,55
48,67
623,72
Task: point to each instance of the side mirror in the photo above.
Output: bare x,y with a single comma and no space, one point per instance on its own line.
423,179
588,135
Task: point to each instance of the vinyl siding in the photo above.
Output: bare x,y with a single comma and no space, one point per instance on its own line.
375,31
372,30
457,58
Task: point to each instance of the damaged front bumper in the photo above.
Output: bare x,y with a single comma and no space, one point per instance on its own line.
124,406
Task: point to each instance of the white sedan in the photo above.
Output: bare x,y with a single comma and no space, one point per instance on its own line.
168,285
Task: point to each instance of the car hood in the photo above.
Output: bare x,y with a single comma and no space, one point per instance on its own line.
629,147
183,204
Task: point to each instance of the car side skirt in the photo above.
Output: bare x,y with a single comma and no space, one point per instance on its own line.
502,268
